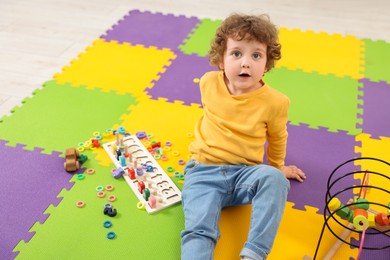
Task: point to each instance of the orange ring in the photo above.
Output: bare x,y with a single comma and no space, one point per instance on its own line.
80,204
109,187
111,198
90,171
101,194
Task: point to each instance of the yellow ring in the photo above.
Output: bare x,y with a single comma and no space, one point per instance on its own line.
140,205
80,149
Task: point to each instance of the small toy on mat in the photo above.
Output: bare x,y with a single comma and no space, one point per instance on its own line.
71,163
149,182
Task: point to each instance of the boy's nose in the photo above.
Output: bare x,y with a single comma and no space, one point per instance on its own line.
245,65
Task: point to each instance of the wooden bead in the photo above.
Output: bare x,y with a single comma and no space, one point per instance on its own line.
364,205
382,219
361,212
359,222
371,220
343,212
334,204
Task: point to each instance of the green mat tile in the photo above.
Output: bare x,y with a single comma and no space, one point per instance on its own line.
199,41
78,233
61,116
319,100
377,56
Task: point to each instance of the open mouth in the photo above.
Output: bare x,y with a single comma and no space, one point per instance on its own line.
244,75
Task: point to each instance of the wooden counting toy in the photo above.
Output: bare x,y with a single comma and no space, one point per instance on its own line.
149,182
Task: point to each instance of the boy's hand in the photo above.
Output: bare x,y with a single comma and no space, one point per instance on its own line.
293,172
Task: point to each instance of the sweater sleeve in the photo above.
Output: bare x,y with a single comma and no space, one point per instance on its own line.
277,134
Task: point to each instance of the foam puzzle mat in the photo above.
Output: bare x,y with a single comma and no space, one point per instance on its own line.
140,75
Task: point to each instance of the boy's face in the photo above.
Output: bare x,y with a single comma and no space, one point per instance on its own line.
244,63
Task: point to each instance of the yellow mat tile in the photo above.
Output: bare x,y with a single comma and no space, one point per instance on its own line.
380,149
322,52
123,68
297,236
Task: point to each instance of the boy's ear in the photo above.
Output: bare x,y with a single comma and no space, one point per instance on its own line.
221,66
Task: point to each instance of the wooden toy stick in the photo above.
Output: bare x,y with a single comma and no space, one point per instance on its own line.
336,245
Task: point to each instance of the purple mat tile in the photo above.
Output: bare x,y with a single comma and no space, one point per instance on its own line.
177,83
374,241
30,182
318,152
152,29
376,117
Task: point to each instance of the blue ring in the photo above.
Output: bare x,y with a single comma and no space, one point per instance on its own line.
111,235
121,130
107,224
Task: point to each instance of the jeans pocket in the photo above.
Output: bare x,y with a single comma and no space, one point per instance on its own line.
191,166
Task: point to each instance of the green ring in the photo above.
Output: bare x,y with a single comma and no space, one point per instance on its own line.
80,176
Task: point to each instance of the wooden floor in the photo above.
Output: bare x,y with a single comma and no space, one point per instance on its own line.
39,37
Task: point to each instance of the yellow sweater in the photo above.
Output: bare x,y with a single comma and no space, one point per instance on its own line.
234,129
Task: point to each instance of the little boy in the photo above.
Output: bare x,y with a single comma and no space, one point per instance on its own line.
241,113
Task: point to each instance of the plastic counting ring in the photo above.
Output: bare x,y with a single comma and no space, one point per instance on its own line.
140,205
90,171
80,204
107,224
109,187
80,149
167,148
181,177
157,156
189,135
121,130
80,176
101,194
88,144
149,136
99,137
168,143
177,174
181,162
96,133
164,158
80,144
170,169
108,206
111,198
175,153
111,235
196,80
99,188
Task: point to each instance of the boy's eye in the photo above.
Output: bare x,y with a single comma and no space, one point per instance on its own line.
256,56
236,54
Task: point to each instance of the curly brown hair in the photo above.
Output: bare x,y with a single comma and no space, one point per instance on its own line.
248,27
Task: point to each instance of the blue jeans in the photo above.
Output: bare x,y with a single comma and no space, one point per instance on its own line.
209,188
